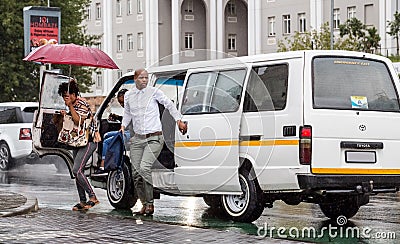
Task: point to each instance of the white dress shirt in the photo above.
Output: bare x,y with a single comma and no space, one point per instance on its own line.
141,107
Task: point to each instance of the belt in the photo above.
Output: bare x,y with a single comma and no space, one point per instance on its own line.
157,133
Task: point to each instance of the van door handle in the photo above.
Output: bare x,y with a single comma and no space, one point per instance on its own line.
250,138
361,145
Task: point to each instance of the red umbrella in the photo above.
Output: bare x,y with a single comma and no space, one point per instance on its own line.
71,54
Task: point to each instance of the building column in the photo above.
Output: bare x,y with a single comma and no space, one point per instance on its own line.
147,35
385,14
213,30
107,43
258,30
316,14
220,28
175,13
152,48
251,27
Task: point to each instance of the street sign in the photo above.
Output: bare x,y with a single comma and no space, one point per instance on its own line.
42,25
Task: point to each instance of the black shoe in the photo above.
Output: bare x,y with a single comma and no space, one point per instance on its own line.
99,172
149,210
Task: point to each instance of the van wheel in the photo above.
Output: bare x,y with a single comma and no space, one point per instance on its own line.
5,157
213,201
119,188
336,206
248,206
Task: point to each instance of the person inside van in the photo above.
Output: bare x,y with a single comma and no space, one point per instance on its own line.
141,107
110,135
79,109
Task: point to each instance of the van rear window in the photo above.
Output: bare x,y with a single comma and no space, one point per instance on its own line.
351,83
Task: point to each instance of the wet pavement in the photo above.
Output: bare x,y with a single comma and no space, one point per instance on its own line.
12,204
10,200
56,194
54,222
61,226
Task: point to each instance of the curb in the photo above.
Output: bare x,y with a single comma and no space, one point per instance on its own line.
31,205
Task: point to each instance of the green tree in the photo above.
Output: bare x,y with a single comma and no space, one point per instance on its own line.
357,37
353,36
19,80
316,40
394,29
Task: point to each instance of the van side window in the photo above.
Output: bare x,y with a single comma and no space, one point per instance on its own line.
267,88
213,92
170,84
353,83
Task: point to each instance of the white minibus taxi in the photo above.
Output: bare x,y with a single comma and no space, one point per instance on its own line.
306,126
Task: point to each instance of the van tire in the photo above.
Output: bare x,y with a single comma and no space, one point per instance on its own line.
119,188
5,157
213,201
340,206
248,206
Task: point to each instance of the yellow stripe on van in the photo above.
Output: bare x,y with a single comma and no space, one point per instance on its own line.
235,143
355,171
206,143
269,143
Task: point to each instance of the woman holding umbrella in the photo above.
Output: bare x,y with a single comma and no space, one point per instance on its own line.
79,110
73,54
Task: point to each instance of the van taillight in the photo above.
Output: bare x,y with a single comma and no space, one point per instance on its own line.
305,145
25,134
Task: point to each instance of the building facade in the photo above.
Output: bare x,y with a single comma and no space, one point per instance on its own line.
143,33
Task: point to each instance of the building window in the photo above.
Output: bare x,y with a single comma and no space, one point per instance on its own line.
336,18
351,12
130,42
120,45
98,10
286,24
140,41
99,79
189,6
369,15
271,26
119,8
119,74
128,7
88,13
189,38
140,6
231,8
129,70
232,42
302,23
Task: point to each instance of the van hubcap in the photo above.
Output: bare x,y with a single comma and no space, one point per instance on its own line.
238,203
117,185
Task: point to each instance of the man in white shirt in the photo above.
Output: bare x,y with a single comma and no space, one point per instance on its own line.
141,107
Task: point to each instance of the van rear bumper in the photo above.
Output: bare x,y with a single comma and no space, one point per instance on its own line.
358,183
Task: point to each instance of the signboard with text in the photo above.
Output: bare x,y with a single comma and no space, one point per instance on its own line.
42,26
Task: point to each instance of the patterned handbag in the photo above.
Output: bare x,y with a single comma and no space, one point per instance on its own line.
74,135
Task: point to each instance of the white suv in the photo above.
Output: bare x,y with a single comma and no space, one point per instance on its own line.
15,131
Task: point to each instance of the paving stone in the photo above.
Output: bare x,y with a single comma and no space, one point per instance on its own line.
62,226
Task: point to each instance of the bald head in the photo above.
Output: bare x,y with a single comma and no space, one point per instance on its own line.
141,78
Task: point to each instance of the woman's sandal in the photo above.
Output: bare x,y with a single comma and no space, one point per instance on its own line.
79,207
91,203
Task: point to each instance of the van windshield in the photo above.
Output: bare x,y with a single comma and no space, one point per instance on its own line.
351,83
